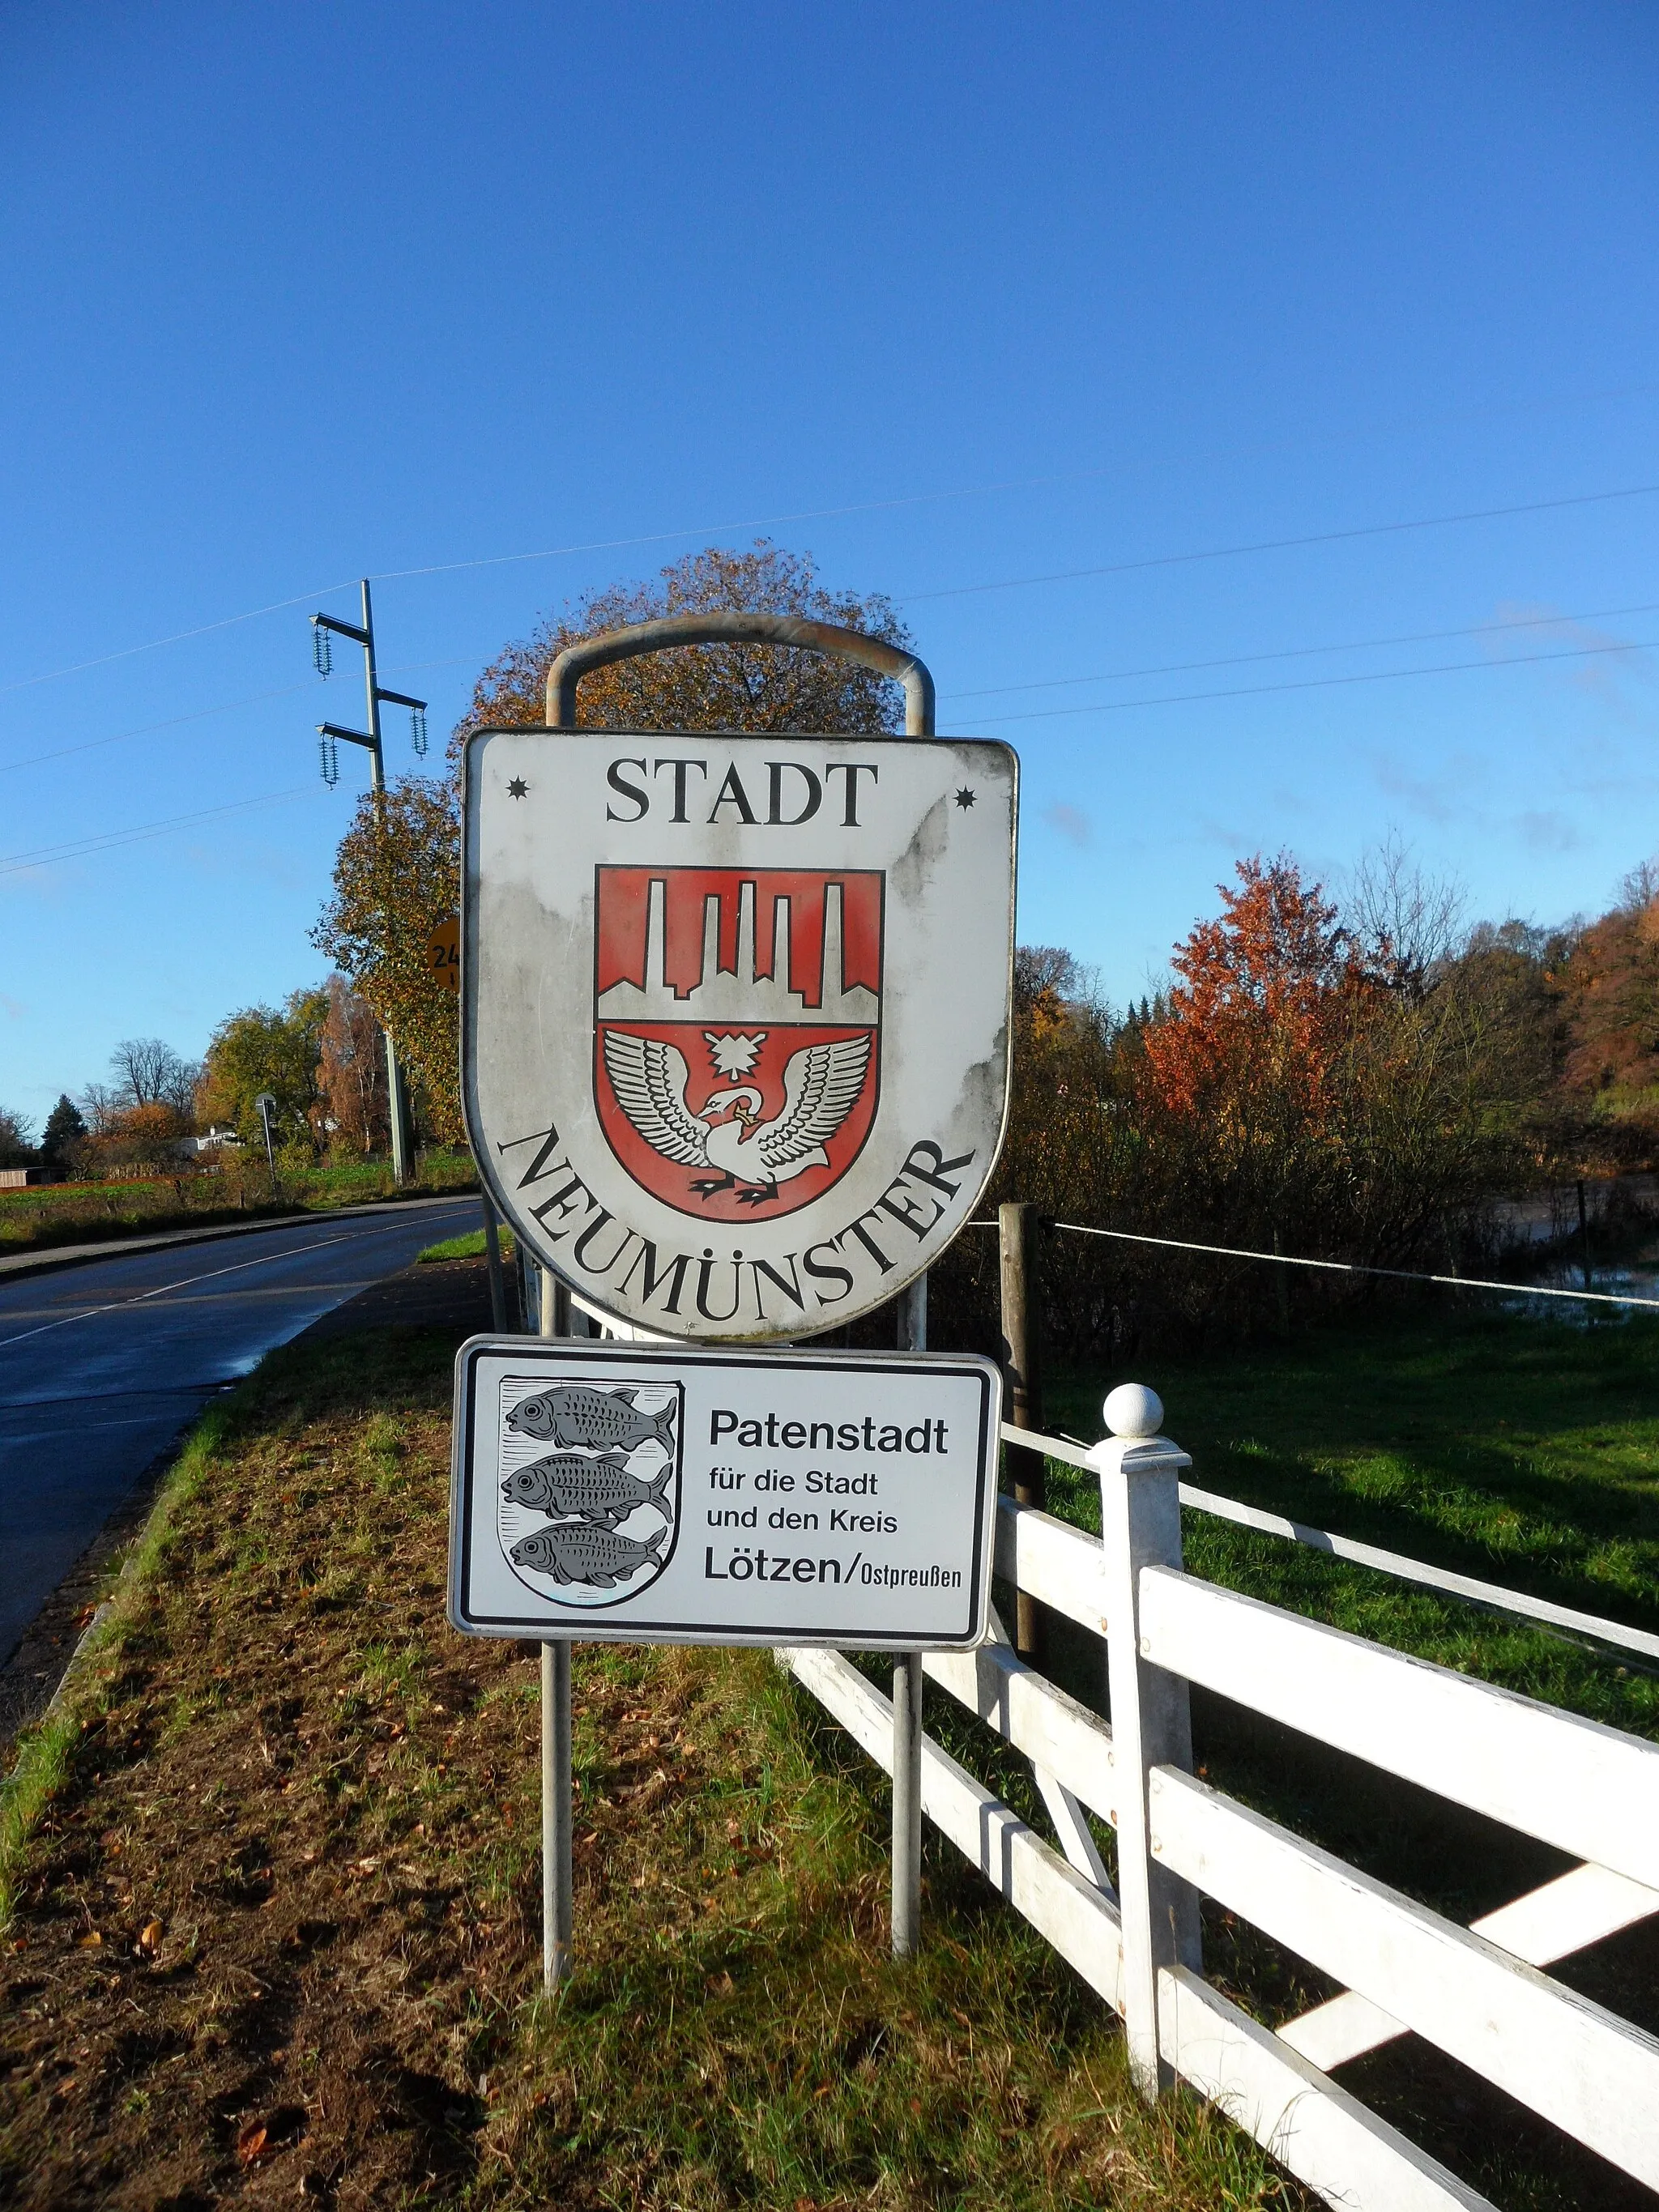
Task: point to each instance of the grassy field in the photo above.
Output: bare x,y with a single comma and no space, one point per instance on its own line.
273,1906
86,1213
1521,1451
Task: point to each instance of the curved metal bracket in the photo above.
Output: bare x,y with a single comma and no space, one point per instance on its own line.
670,630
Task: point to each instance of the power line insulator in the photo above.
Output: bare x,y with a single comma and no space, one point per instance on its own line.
331,753
322,650
417,730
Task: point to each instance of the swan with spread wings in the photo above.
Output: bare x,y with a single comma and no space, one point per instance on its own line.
822,1084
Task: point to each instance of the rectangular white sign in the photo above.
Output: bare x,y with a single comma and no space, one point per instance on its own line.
659,1494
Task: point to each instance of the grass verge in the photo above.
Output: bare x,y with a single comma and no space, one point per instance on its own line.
470,1247
74,1213
274,1899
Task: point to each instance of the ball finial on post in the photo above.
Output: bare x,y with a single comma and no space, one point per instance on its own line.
1133,1410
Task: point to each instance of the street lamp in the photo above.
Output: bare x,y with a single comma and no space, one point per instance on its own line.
267,1106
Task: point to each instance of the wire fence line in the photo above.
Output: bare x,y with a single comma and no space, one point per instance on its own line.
1349,1266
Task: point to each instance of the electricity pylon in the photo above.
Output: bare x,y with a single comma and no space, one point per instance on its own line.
328,733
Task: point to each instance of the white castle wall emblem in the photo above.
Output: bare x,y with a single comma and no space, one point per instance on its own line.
739,994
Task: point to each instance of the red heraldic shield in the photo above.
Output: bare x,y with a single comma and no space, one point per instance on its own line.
736,1031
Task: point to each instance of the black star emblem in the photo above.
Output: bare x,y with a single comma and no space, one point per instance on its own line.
964,798
517,787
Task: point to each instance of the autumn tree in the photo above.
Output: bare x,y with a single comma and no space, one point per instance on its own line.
1350,1083
16,1140
274,1049
398,871
396,874
755,688
1307,1081
352,1110
1610,986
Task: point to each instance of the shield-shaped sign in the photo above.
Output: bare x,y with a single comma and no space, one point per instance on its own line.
736,1013
590,1486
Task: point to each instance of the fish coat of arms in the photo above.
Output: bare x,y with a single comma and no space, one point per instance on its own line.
589,1486
735,1014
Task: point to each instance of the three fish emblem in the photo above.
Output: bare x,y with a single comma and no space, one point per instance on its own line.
598,1535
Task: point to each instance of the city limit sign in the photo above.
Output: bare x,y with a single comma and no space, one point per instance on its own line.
735,1014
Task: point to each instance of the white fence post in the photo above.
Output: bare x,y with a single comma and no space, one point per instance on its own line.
1141,1526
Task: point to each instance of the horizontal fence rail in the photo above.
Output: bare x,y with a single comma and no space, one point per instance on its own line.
1587,1789
1478,1994
1595,2076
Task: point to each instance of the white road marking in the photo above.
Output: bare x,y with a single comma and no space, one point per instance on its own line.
268,1259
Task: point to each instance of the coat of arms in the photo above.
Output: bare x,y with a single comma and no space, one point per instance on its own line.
736,1031
589,1486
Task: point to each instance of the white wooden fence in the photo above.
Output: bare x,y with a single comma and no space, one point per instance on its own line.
1475,1993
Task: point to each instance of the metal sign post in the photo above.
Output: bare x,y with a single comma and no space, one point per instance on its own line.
906,1922
735,1037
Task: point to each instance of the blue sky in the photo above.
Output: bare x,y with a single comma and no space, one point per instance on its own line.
954,298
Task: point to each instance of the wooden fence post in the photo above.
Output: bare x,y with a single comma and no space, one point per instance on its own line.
1584,1239
1022,1365
1151,1724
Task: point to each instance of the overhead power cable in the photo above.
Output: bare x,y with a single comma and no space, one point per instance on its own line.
201,713
1314,683
148,729
46,856
1306,652
1282,544
178,637
862,507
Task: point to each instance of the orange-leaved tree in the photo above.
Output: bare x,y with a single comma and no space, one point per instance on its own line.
1264,1008
352,1111
1609,984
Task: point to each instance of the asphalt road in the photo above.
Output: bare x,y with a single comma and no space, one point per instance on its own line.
103,1365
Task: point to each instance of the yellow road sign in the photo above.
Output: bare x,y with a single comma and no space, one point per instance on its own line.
443,952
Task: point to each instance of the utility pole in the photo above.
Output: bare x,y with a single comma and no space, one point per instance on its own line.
328,733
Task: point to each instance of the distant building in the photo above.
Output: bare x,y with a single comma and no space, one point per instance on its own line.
213,1139
21,1178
